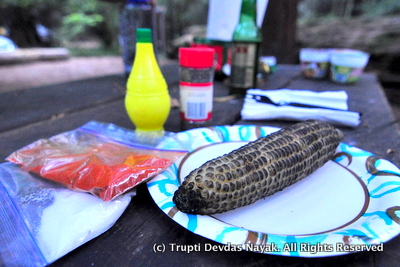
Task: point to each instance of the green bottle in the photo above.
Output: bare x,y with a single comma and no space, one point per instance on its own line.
246,42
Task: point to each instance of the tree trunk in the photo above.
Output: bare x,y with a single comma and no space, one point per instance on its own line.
279,31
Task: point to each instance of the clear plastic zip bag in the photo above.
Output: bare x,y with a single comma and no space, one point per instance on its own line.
99,158
41,221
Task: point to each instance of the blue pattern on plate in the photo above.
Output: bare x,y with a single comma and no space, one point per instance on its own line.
383,186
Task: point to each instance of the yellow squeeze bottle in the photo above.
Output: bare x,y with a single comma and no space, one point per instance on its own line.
147,100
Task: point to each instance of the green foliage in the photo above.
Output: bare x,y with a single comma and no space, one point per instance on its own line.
76,23
77,18
88,6
29,3
381,7
310,9
100,19
184,13
83,16
94,52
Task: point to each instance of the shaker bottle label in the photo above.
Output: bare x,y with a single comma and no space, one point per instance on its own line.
314,69
242,64
196,101
343,74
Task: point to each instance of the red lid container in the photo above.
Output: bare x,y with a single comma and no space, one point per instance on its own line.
196,57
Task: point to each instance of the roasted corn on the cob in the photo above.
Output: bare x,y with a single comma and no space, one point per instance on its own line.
258,169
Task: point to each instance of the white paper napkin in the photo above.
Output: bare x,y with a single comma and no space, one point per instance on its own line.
299,105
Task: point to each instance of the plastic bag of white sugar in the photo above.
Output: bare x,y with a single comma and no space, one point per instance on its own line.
41,221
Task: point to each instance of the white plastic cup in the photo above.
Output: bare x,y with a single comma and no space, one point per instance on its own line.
314,63
347,65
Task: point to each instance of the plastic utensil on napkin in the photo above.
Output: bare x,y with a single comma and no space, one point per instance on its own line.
299,105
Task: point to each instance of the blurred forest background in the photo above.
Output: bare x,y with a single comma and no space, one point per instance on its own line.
90,28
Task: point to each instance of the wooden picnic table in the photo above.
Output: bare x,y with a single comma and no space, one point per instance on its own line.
34,113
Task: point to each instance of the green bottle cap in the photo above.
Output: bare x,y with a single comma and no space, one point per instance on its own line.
143,35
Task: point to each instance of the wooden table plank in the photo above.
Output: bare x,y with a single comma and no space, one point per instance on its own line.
131,239
23,107
282,78
17,138
378,133
113,111
32,105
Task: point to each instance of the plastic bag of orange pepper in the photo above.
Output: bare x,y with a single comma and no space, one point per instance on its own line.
102,159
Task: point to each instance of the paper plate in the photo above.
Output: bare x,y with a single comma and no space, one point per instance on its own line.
350,204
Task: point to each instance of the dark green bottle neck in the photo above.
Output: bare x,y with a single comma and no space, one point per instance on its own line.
247,29
248,12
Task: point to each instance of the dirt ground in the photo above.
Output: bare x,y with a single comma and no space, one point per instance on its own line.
39,73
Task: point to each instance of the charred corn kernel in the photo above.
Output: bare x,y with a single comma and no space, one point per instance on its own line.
258,169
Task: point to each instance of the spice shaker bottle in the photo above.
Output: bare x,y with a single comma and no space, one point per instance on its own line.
147,100
135,14
245,48
196,86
